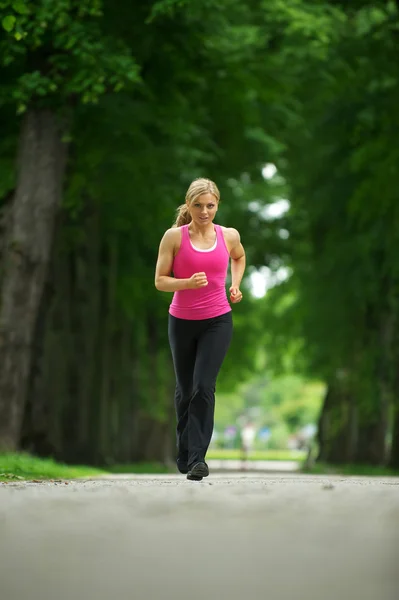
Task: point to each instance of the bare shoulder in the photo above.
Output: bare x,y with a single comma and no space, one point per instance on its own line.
172,235
171,240
233,242
231,236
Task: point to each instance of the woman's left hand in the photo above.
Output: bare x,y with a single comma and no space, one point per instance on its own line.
235,294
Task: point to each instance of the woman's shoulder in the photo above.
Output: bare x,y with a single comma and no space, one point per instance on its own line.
173,237
230,234
173,234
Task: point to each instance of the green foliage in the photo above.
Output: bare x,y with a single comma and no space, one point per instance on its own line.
229,406
8,23
203,108
284,403
337,316
219,88
279,436
292,400
58,51
166,7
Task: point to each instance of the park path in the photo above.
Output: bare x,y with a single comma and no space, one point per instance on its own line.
232,536
280,466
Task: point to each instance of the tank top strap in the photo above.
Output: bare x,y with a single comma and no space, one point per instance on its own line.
220,238
185,238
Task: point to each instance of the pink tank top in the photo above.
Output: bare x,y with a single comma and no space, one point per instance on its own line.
209,301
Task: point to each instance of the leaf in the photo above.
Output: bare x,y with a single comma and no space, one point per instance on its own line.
20,7
165,7
21,108
18,36
8,23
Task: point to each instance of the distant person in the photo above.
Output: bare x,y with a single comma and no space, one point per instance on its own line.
248,434
197,252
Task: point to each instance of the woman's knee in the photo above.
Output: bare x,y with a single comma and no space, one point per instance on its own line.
184,391
204,388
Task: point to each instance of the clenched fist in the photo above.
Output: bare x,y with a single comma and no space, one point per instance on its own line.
235,294
197,280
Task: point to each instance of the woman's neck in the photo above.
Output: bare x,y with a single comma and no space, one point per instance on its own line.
203,230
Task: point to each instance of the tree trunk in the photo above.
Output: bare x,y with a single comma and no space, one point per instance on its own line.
337,430
373,427
27,251
374,418
394,459
35,434
107,334
90,329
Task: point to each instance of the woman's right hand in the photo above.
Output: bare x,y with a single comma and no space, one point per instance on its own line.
198,280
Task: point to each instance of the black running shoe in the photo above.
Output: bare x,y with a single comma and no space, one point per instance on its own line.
198,471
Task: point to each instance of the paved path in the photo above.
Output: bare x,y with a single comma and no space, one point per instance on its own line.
278,466
238,537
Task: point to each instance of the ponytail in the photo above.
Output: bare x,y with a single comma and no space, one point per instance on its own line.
183,216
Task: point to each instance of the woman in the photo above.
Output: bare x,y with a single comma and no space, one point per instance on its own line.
197,252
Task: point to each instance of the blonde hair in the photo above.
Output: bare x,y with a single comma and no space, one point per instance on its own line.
197,188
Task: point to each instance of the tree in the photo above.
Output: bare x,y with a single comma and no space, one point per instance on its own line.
343,234
54,54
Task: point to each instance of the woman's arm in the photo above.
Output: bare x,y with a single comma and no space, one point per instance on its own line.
237,254
163,280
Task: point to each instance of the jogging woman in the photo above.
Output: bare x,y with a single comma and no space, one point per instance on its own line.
197,252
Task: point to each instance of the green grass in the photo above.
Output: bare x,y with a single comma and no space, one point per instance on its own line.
20,466
348,470
256,455
24,466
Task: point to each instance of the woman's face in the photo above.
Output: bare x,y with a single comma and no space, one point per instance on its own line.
203,209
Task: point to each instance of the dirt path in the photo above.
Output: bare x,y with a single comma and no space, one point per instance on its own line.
241,537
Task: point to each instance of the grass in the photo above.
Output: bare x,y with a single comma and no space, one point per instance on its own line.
256,455
20,466
348,470
23,466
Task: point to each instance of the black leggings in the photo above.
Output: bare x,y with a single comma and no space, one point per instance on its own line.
198,350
